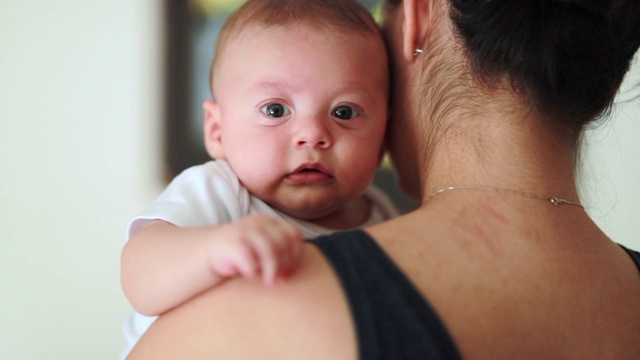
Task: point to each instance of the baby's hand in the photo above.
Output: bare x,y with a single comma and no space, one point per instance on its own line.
256,245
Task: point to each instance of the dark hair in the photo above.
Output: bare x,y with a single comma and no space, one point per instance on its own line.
568,56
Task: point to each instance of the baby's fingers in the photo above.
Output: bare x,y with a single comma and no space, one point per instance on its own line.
236,259
247,264
266,254
292,253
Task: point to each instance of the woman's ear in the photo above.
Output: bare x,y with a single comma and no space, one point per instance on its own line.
212,130
417,23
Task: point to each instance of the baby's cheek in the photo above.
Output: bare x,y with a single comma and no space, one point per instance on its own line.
361,176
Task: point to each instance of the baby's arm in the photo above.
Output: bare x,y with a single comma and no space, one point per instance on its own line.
165,265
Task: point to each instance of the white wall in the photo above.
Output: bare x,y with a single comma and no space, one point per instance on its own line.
79,154
80,126
611,170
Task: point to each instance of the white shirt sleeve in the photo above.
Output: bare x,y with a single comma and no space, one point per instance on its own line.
202,195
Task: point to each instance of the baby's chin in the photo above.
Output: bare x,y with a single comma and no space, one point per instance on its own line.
310,212
347,214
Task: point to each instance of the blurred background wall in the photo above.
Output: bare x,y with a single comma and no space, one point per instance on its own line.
81,124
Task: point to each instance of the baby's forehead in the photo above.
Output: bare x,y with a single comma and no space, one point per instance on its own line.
294,38
296,41
338,41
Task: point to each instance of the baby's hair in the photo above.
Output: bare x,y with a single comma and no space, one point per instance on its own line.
324,15
568,56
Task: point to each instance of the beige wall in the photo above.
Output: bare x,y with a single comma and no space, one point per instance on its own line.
610,180
80,126
79,145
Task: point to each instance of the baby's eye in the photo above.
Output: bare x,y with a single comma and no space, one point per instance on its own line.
345,112
275,110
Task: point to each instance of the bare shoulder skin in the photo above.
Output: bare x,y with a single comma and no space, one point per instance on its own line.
243,319
534,289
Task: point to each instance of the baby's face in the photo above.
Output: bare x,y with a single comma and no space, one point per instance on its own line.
302,115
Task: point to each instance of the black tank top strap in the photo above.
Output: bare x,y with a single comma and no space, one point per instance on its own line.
392,319
635,256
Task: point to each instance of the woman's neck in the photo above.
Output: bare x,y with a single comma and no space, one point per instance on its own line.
496,145
481,134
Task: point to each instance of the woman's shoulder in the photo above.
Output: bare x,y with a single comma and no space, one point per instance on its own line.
306,314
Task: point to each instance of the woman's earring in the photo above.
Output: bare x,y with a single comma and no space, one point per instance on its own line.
417,51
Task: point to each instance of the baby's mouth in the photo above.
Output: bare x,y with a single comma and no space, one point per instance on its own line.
311,173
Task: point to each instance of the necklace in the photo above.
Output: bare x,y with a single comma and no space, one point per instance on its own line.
552,199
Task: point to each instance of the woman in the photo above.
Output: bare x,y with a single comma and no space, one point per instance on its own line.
501,261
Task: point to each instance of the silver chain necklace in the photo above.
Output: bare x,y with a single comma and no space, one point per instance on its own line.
552,199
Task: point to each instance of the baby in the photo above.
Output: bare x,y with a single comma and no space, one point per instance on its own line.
296,126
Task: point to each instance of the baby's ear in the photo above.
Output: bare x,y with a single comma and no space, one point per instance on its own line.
212,131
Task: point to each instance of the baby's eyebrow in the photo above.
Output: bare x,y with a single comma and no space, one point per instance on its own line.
290,86
274,84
